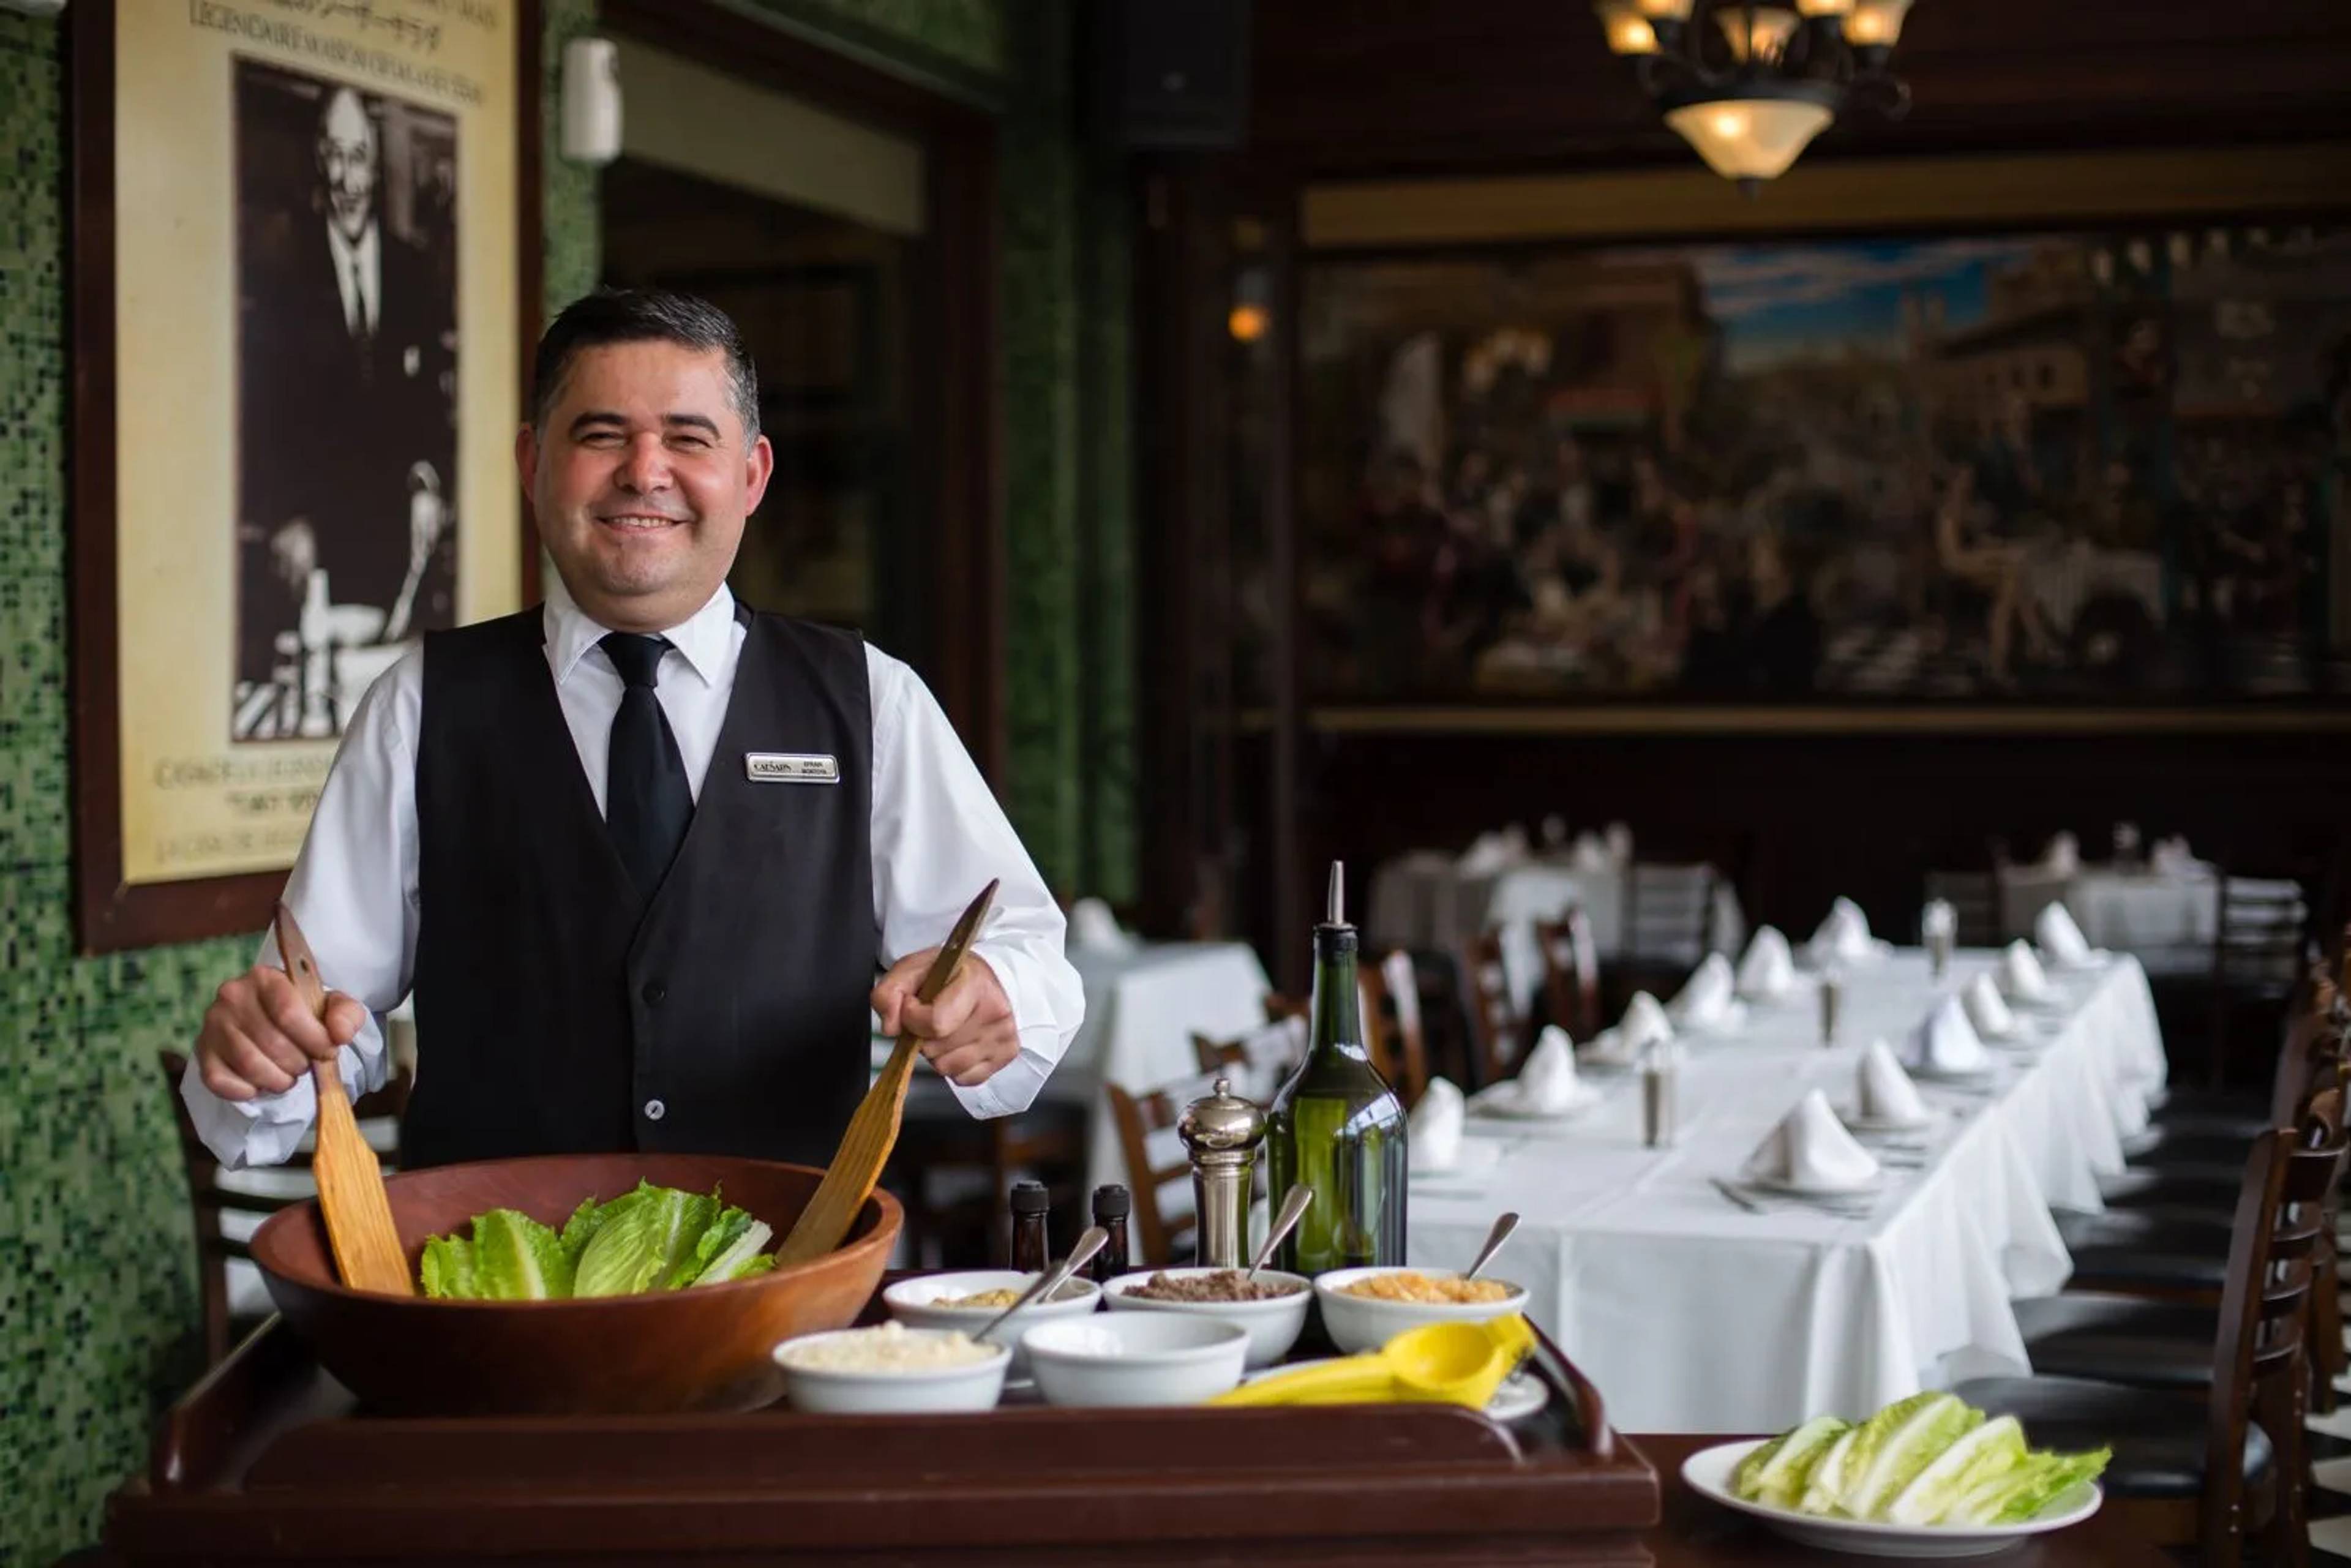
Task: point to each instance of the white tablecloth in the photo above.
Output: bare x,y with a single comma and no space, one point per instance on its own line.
2167,918
1693,1315
1424,900
1142,1008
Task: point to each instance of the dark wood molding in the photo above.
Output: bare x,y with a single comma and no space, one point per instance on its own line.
958,413
111,916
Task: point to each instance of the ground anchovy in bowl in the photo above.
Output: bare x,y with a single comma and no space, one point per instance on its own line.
1225,1285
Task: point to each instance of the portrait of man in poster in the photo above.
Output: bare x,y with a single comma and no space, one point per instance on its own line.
347,354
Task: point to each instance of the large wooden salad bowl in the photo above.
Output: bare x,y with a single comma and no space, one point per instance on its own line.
699,1349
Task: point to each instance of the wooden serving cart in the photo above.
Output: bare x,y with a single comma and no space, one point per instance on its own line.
269,1459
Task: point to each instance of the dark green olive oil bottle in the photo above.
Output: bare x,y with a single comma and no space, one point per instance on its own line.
1337,1127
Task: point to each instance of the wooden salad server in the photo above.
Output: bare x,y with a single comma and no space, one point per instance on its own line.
873,1130
350,1183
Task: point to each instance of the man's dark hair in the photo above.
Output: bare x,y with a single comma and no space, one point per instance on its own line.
643,316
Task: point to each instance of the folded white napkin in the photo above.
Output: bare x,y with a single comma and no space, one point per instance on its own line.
1810,1148
1938,918
1886,1091
2061,940
1644,1024
1490,853
1094,929
2170,855
1707,1001
1589,854
1547,1081
1989,1011
1843,936
2022,978
1620,842
1768,969
2062,856
1946,1042
1433,1130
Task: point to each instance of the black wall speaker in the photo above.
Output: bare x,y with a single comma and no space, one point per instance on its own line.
1171,73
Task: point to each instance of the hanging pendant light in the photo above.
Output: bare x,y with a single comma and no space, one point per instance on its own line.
1750,91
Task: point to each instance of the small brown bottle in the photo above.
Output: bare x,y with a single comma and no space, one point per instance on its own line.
1112,1205
1032,1250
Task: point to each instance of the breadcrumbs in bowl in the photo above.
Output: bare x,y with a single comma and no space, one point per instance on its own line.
1429,1290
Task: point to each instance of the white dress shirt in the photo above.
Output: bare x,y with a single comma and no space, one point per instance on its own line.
938,835
358,278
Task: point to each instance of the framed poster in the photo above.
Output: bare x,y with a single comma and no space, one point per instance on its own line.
305,277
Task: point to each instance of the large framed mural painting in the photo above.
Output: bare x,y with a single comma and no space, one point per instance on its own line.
299,265
2049,466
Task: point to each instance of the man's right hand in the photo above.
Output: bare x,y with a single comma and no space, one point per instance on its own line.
258,1038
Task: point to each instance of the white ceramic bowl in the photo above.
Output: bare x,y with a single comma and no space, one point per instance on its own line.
1272,1324
1358,1323
826,1391
1135,1358
914,1304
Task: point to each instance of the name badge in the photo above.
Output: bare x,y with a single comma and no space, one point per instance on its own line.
789,768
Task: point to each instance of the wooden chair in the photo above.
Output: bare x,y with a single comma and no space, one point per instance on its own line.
211,1199
2235,1467
2261,936
1391,1026
1161,1238
1280,1007
1668,927
1259,1060
1974,897
1570,971
1501,1032
955,1174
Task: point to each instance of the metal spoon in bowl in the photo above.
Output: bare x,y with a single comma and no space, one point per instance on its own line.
1293,1209
1503,1226
1053,1279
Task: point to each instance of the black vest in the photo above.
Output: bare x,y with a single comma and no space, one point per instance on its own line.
730,1016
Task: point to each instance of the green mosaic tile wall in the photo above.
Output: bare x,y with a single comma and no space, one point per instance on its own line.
97,1290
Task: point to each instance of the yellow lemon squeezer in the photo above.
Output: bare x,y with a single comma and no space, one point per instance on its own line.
1448,1363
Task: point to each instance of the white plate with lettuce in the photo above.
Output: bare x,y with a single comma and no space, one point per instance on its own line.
1926,1477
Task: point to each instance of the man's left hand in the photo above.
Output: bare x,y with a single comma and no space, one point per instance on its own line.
967,1034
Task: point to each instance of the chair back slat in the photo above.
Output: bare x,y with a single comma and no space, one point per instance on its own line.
1570,971
1669,912
1259,1060
1391,1025
1137,1118
1501,1033
1974,898
209,1197
2259,1340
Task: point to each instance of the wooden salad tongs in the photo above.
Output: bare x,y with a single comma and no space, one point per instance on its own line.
873,1130
350,1183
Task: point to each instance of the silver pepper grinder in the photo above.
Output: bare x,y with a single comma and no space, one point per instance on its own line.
1222,1135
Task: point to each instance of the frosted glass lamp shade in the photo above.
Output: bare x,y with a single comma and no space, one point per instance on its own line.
1750,138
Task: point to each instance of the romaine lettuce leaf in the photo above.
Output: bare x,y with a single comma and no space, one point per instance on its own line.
1825,1486
517,1259
740,1259
1776,1472
2017,1494
1991,1449
636,1247
447,1270
1898,1443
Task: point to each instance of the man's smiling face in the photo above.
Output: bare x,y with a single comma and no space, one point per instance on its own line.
641,476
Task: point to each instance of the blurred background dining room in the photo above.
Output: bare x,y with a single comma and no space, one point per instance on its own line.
1808,484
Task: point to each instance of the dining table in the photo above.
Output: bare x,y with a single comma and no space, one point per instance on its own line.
1699,1310
2166,912
1431,900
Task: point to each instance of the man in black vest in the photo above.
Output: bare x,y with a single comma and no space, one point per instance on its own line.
641,852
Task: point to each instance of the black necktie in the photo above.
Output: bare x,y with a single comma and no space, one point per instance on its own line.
647,804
